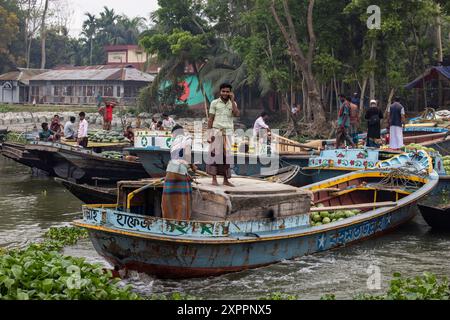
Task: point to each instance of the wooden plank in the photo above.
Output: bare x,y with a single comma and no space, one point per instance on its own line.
342,192
326,189
356,206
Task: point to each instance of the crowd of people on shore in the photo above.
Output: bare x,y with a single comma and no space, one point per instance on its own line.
348,124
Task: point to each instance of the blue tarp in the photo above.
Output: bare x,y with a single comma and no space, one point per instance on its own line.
431,73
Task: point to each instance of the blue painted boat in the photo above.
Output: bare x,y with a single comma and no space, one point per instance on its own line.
153,150
253,225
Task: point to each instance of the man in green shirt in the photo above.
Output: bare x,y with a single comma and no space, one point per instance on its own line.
220,131
46,134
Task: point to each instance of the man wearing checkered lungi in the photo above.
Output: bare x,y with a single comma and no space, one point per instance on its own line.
220,132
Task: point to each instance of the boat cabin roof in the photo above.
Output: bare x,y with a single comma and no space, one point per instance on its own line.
243,185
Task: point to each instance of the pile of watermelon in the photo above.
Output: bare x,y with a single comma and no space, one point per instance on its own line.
326,217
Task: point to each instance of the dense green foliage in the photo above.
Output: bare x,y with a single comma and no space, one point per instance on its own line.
41,272
425,287
242,42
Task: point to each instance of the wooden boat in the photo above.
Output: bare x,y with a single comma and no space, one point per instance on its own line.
84,165
99,147
252,225
96,165
18,153
437,217
435,209
49,155
90,194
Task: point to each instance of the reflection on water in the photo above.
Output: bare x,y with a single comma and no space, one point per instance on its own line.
30,205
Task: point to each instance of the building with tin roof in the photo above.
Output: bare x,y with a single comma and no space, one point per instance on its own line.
14,85
82,85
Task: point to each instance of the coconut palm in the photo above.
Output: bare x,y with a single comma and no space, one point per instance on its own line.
89,31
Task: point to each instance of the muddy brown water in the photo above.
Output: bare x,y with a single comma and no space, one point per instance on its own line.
29,205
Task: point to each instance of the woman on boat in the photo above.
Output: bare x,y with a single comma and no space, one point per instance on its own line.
373,117
56,127
177,192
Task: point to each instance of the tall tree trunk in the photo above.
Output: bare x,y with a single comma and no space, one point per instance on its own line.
391,96
30,40
372,72
302,62
439,38
202,89
43,35
305,101
90,53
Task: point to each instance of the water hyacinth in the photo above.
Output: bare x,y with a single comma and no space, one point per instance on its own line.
41,272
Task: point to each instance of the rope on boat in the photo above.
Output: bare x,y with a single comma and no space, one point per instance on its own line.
398,178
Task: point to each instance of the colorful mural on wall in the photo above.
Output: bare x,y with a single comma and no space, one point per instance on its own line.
192,94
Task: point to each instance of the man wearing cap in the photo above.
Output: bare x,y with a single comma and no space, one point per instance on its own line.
373,117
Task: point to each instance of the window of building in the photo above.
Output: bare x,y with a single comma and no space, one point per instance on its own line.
35,91
56,91
131,91
108,91
89,91
118,93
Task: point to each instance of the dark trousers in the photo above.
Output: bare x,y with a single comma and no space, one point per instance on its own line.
83,142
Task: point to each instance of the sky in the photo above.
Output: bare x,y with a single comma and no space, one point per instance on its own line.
131,8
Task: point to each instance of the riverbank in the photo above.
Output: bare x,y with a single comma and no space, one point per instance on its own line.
26,120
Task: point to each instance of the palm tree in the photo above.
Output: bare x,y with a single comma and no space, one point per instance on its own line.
90,27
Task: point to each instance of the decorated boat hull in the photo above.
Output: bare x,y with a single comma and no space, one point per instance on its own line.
183,249
178,259
155,161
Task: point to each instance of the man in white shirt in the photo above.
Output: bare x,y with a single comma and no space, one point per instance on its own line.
69,131
260,127
83,131
168,122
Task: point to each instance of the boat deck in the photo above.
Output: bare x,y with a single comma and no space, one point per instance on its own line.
243,186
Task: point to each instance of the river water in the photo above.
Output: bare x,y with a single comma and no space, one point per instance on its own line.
30,205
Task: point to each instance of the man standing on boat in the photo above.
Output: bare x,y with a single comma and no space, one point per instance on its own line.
373,117
396,118
83,131
69,131
260,129
342,131
176,198
220,131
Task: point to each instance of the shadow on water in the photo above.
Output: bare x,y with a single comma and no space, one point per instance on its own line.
29,205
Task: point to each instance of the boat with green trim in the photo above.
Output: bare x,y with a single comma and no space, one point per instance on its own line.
255,224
